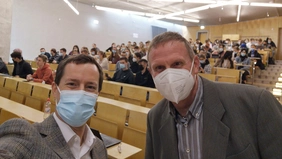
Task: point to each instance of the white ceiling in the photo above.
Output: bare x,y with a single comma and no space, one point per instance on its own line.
212,16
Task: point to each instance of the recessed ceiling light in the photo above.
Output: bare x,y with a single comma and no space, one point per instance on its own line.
202,27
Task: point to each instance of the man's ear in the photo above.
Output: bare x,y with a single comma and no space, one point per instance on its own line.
196,65
54,90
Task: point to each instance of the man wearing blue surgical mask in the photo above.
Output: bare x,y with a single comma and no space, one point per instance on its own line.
201,119
43,52
124,74
64,134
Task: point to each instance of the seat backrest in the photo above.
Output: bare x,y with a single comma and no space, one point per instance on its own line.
133,94
25,88
11,84
229,72
53,66
17,97
137,120
110,90
208,76
2,81
10,69
6,115
154,97
42,93
112,113
135,138
228,79
104,126
34,103
112,67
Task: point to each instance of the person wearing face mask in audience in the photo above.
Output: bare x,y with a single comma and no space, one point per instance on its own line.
254,53
62,56
244,60
64,134
205,66
114,57
124,74
43,52
135,65
102,60
143,77
199,118
124,54
235,52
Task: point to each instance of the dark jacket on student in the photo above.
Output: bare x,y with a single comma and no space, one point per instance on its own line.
144,79
123,76
134,67
22,69
254,53
61,58
3,67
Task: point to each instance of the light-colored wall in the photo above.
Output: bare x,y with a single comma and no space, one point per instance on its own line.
5,28
260,28
36,24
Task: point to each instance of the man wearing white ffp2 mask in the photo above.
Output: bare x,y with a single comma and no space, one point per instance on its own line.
199,118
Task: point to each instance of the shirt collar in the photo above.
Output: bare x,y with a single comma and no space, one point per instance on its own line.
196,107
68,133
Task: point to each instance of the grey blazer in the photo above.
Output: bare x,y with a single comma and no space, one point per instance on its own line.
20,139
239,122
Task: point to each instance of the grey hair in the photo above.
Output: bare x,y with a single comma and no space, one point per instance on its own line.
167,37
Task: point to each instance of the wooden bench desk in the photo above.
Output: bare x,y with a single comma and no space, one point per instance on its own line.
30,114
126,151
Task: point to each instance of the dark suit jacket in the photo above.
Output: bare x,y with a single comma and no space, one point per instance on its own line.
19,139
239,122
24,69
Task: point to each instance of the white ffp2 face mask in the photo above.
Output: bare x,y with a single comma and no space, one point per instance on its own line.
175,84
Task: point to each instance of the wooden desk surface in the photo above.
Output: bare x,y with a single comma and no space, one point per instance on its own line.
21,110
124,105
131,85
126,151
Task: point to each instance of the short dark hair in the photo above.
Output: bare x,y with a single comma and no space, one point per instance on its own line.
79,59
44,57
16,55
54,50
102,53
136,47
138,54
123,58
42,48
63,49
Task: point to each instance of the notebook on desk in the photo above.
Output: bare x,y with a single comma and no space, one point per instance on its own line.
108,141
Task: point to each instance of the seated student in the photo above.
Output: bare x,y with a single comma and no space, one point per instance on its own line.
75,48
65,133
124,74
143,77
225,61
102,60
3,67
235,52
244,60
63,55
205,66
85,51
114,57
43,74
21,67
43,52
254,53
53,56
122,55
135,65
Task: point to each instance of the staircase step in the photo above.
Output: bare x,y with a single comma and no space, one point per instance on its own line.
268,77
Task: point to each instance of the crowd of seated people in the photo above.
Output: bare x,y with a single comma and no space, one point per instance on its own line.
130,58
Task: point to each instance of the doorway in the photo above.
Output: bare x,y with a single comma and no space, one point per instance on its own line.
202,36
279,46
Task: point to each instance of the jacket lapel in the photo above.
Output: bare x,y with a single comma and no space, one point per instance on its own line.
168,135
54,138
215,133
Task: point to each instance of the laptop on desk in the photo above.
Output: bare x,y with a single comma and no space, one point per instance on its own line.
108,141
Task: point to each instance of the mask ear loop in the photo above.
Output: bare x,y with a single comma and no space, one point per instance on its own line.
59,92
191,69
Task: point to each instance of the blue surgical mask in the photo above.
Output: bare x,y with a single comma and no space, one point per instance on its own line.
42,53
202,61
121,66
220,49
114,51
60,54
76,107
243,54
